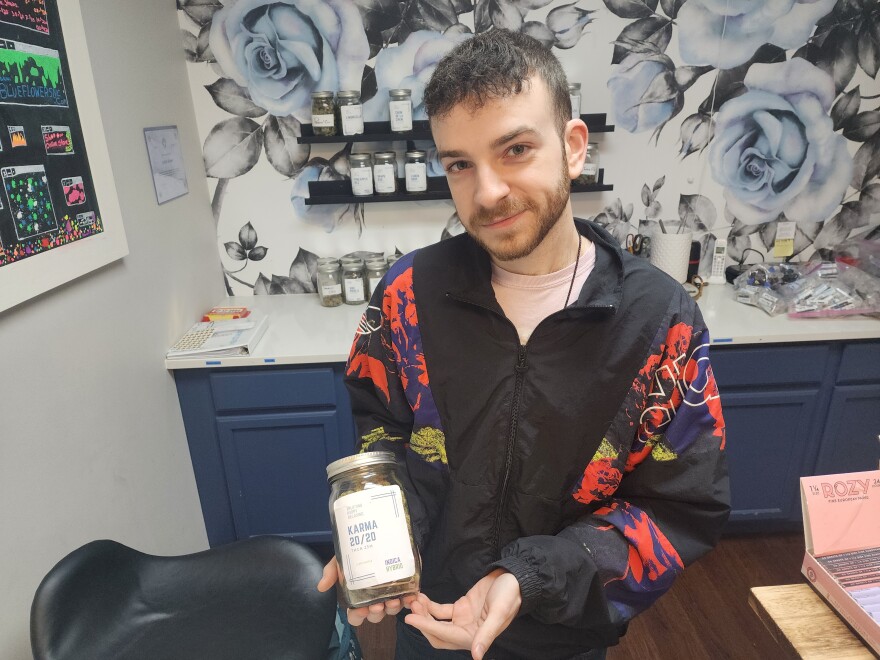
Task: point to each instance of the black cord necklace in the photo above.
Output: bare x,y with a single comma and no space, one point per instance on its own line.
574,274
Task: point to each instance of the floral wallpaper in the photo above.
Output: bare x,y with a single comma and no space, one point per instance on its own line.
731,116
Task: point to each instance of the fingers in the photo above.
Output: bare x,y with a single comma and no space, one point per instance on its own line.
441,634
330,576
357,615
393,607
374,613
494,625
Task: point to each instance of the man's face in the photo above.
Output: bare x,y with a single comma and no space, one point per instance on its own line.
507,169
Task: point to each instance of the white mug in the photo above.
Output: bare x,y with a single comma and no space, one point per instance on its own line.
671,253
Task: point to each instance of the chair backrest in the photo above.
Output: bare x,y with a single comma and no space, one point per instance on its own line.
253,599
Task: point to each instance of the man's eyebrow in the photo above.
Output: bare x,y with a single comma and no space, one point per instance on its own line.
504,139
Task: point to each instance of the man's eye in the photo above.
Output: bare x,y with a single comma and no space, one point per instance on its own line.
518,150
457,166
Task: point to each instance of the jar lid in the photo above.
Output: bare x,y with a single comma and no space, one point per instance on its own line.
384,156
352,264
399,93
360,158
348,94
377,261
416,153
358,460
322,95
393,257
330,266
574,87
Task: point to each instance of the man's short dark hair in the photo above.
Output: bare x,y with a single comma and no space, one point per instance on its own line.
494,65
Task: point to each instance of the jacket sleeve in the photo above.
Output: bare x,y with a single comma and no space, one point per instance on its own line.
654,502
383,382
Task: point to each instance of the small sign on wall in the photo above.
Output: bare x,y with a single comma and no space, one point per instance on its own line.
166,163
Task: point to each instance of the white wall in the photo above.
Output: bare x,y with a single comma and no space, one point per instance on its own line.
92,443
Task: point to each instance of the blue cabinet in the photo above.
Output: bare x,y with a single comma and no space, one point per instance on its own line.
792,411
260,439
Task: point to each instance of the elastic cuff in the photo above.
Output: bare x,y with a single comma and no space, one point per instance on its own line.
529,581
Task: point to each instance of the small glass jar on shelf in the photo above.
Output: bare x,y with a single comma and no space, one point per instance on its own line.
416,171
400,110
350,112
376,269
361,169
329,282
574,93
354,286
590,172
323,113
385,172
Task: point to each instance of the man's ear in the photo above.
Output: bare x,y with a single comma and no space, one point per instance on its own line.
575,140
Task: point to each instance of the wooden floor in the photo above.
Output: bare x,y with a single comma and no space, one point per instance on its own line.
705,615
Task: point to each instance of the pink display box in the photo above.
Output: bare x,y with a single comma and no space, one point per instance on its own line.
842,535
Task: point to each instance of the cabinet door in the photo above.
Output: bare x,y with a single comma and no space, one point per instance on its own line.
275,472
769,436
850,442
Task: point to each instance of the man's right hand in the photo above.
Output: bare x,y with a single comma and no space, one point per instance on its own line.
374,613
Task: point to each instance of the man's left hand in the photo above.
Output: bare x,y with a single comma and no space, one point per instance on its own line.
474,620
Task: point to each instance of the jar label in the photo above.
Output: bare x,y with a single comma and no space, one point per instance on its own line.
374,283
590,169
362,181
401,115
352,119
374,538
331,290
322,121
384,177
354,290
416,177
575,106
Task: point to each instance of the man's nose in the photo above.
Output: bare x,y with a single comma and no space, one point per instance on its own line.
491,187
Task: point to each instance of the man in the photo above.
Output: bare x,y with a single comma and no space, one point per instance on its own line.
548,396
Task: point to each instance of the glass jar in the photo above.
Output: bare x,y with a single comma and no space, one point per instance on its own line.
351,112
329,282
590,173
376,269
372,532
361,167
400,109
416,171
574,93
385,172
323,113
353,283
393,258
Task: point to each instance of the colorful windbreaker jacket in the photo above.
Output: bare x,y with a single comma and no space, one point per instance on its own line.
588,462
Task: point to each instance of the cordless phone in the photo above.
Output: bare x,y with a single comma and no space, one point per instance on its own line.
719,257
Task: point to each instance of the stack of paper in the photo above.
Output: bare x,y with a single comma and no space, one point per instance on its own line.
221,338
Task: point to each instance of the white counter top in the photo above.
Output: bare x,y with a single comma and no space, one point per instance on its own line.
302,332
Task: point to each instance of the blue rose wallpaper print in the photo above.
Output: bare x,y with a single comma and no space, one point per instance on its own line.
730,116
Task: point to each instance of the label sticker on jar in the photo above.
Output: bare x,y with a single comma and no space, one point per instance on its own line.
354,289
401,115
331,290
384,176
590,169
352,119
374,283
323,121
374,537
416,177
362,181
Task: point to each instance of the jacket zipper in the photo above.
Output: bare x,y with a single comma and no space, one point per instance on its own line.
520,370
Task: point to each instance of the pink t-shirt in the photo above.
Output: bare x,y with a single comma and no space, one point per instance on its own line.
529,299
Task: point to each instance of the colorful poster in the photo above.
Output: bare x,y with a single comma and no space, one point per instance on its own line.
27,190
87,219
57,140
30,14
16,136
30,75
74,190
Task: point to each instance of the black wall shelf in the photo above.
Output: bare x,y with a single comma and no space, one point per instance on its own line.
339,192
380,131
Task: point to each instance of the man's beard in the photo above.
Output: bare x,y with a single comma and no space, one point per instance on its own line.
546,214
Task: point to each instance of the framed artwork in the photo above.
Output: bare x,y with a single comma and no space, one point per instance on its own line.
59,212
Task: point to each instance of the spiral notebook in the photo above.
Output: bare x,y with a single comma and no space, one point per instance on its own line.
221,338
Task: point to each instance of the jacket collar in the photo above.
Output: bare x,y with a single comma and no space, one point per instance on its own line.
471,279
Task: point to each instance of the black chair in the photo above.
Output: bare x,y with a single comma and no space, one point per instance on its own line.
249,600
